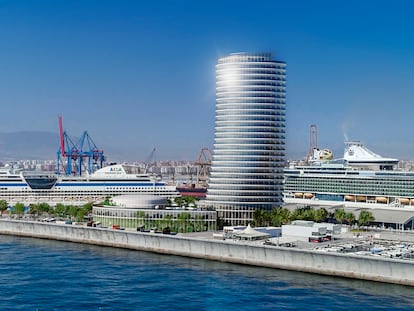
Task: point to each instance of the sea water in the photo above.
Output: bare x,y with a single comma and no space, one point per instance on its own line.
40,274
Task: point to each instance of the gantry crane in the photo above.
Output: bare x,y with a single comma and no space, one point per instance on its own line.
80,157
203,167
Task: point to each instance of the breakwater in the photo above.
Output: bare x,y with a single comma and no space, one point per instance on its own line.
344,265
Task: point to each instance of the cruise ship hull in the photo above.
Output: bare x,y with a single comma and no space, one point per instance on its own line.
354,188
361,179
71,190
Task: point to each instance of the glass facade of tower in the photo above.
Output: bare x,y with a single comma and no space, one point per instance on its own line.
249,144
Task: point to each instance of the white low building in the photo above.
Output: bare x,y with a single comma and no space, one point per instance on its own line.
307,231
133,211
249,234
331,229
139,201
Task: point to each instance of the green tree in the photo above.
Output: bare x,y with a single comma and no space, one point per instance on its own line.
365,217
184,220
320,215
340,215
88,207
179,201
168,222
19,209
259,217
285,216
198,223
108,202
3,205
81,213
60,209
73,210
140,218
350,218
44,208
298,214
308,213
189,200
280,216
34,209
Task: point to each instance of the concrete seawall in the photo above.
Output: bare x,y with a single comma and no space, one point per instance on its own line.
351,266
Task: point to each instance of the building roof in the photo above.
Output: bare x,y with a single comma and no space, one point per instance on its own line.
355,151
381,215
250,233
138,200
386,216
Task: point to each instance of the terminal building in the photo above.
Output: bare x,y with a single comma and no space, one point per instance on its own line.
384,218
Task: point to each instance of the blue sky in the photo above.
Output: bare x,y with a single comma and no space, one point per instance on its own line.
141,74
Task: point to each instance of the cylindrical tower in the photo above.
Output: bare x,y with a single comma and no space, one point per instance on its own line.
249,145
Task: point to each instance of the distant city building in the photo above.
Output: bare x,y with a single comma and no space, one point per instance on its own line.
249,145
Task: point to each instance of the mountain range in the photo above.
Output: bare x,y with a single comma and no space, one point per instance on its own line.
41,145
32,145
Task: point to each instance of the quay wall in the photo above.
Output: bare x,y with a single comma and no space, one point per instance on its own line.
344,265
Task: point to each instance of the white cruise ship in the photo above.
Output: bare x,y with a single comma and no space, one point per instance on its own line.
33,187
361,179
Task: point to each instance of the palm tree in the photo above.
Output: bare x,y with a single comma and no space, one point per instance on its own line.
259,217
280,216
308,213
340,215
320,215
297,214
267,218
286,216
365,217
350,218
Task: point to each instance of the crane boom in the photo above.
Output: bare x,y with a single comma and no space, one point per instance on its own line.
149,160
62,140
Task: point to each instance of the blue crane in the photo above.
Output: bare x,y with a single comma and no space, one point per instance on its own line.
82,155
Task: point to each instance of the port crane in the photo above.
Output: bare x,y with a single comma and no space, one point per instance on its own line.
203,167
81,157
314,153
148,161
313,141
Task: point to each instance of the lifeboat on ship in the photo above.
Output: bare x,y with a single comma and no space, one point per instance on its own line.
308,195
361,198
381,200
404,201
298,195
349,198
